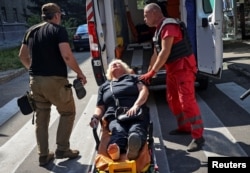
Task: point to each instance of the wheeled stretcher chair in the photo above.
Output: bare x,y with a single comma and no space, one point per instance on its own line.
145,163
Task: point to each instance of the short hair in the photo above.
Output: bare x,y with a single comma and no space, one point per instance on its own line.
127,69
152,7
161,4
49,10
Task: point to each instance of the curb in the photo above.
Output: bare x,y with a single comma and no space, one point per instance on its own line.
240,69
8,75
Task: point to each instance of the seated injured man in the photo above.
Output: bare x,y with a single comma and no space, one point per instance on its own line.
122,85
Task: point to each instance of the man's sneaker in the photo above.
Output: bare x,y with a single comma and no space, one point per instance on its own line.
71,154
44,160
134,146
196,144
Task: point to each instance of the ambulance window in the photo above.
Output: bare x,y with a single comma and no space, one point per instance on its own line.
208,6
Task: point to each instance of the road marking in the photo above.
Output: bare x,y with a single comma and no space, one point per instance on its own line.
8,110
160,153
12,157
219,141
234,91
83,140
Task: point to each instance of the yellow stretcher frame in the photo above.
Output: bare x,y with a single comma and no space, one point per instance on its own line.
104,164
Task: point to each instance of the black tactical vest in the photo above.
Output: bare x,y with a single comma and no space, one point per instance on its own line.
181,49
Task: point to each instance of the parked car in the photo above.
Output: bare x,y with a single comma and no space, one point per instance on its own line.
81,38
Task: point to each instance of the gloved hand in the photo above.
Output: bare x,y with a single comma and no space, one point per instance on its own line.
146,77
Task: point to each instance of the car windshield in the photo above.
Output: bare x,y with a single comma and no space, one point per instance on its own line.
82,28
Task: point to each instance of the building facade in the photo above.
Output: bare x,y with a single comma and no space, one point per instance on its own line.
13,20
236,21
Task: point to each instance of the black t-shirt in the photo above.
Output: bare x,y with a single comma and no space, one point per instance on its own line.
43,42
125,90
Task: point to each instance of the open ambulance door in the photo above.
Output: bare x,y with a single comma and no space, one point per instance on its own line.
99,17
209,37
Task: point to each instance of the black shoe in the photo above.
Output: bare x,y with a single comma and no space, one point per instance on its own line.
71,154
179,132
134,146
196,144
44,160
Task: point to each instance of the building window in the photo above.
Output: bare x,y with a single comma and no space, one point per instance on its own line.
3,14
15,16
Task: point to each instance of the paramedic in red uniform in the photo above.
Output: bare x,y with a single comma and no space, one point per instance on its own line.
173,50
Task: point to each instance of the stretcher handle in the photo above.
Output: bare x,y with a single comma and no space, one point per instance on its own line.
245,94
150,133
97,140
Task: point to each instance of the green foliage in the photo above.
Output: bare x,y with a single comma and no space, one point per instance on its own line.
34,19
75,15
140,4
71,30
9,59
75,9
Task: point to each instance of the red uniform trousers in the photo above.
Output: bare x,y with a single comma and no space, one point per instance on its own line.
180,81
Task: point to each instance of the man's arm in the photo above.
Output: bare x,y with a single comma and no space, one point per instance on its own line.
25,56
163,54
70,60
159,59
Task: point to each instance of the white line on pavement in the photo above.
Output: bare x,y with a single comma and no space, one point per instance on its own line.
234,91
82,139
219,141
12,157
8,110
160,152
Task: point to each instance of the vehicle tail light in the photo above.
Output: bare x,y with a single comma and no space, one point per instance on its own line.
76,37
93,39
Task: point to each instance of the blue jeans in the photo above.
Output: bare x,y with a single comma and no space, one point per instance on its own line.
120,131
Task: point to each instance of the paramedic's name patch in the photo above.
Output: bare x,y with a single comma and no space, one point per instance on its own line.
241,164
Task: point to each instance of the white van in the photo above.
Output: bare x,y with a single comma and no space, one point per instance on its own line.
117,30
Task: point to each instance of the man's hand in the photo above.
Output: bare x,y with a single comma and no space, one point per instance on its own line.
146,77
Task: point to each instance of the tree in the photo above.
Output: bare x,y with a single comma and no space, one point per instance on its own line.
74,9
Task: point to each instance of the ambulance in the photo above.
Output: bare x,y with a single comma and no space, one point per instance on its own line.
117,30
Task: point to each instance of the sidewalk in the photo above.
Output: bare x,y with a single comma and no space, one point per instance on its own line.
236,54
8,75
